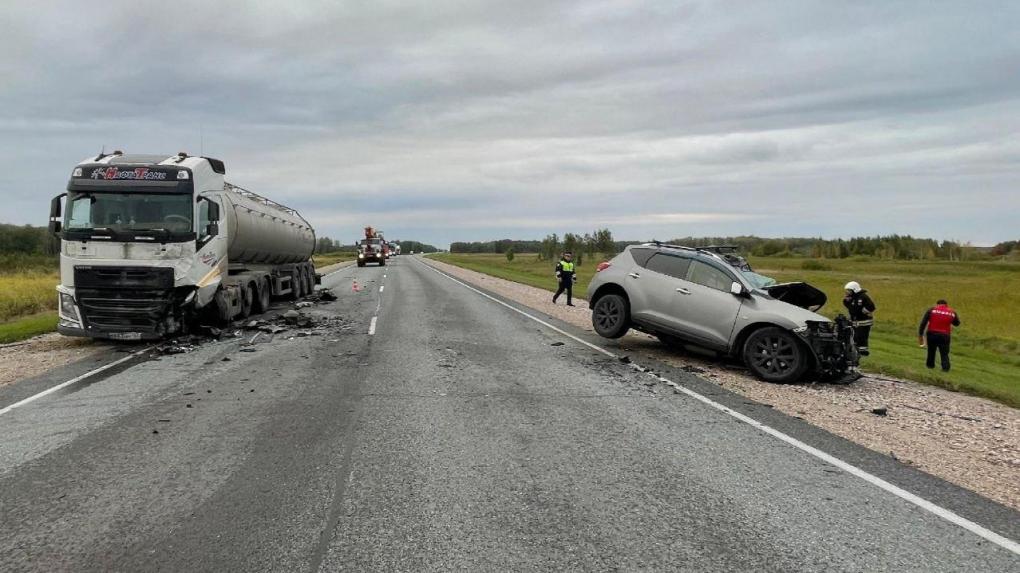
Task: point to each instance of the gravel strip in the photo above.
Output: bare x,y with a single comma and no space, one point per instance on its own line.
969,441
28,358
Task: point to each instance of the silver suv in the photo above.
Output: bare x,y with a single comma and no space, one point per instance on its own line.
710,297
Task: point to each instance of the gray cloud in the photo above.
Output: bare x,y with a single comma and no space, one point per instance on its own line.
470,120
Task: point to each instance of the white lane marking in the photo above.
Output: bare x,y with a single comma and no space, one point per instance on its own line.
371,326
899,492
88,374
381,287
384,276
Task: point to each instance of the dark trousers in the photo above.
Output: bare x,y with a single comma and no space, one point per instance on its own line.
861,334
940,342
567,286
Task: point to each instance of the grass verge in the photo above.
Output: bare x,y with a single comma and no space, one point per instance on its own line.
326,259
27,327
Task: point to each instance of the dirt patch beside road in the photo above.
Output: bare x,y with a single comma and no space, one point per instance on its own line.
34,356
969,441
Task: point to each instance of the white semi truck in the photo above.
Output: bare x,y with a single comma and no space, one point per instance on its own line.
151,242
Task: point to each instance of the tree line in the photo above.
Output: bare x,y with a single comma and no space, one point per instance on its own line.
898,247
583,246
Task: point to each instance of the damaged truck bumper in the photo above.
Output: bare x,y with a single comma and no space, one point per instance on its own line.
124,303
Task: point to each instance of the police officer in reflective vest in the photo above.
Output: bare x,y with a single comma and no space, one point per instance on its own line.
565,273
862,314
938,321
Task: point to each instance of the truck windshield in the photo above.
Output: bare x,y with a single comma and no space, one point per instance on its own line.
134,212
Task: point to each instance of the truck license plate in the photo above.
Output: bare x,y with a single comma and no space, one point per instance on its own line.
126,335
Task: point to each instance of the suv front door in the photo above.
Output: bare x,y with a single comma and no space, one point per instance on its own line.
707,310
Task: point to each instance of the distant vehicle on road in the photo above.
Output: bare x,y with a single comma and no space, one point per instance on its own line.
372,249
150,241
394,249
710,297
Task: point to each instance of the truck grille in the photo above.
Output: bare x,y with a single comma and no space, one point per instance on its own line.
156,278
124,299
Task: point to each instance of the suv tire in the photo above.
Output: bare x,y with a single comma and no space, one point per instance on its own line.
775,355
611,316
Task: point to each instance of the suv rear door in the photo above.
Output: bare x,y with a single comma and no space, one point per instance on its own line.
707,310
657,290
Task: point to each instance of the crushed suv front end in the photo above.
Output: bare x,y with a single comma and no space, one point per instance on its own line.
832,344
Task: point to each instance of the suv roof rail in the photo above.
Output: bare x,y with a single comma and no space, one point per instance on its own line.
719,252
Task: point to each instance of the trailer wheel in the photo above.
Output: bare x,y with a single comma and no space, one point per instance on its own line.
264,294
247,301
309,279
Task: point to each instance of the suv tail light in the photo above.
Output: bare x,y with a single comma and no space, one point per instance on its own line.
603,266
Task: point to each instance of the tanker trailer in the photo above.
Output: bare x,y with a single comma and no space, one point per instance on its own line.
149,242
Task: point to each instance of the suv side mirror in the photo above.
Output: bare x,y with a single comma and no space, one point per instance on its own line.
55,212
737,289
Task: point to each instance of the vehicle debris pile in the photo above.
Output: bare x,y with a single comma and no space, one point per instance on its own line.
293,323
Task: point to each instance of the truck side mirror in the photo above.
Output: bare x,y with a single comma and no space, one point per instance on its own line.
212,229
55,212
737,289
214,210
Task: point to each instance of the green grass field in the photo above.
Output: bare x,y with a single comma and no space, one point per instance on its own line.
28,299
986,349
326,259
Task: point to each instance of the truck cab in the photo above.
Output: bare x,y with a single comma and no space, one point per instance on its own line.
143,247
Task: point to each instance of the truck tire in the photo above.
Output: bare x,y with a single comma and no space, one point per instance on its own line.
264,295
611,316
775,355
309,279
296,285
247,300
382,262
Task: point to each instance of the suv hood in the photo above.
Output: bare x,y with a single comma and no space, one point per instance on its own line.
798,294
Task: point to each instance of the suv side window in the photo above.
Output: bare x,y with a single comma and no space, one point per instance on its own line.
670,265
641,256
706,275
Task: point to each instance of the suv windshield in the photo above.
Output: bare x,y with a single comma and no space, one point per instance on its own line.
759,281
129,212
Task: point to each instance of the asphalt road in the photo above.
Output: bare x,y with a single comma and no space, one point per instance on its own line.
458,435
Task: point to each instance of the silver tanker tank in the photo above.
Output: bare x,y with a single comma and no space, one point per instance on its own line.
262,231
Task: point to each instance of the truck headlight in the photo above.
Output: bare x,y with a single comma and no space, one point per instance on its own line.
68,309
361,255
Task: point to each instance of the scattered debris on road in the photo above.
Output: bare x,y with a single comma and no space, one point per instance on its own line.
880,411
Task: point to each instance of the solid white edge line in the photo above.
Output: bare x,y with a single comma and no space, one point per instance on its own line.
371,326
88,374
899,492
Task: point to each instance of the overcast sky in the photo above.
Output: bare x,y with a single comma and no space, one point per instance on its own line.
443,121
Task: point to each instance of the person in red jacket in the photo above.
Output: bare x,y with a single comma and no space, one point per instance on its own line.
938,321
